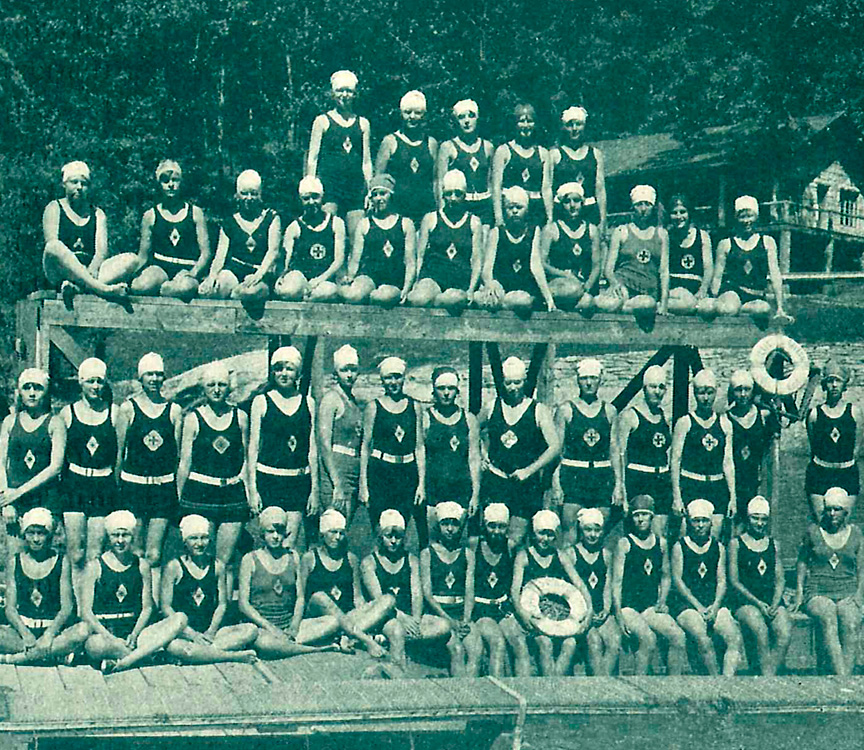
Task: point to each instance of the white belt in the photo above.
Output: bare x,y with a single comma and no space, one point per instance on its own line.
477,196
392,459
176,261
833,464
589,201
534,195
701,477
754,292
83,471
276,472
648,469
214,481
344,450
136,479
497,472
604,464
31,622
116,616
693,276
448,599
486,600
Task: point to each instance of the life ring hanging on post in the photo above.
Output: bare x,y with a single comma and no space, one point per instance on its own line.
793,351
575,621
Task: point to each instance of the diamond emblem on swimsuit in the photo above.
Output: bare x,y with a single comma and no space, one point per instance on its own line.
509,439
834,561
36,597
748,267
648,566
174,236
454,443
29,459
709,442
526,174
277,587
688,261
702,570
198,597
387,249
593,580
762,566
450,580
517,265
347,145
577,249
834,434
451,251
153,440
399,433
92,445
250,243
644,256
474,164
591,437
79,244
492,579
121,593
414,164
745,453
659,440
221,444
336,593
317,251
292,443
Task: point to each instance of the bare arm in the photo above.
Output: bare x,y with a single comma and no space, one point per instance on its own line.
256,414
473,460
204,253
612,258
125,417
490,254
357,248
538,271
729,465
385,151
719,266
600,186
410,255
365,449
426,579
367,150
553,157
664,269
499,162
51,222
446,154
679,434
101,242
774,274
291,234
622,549
190,432
319,125
476,253
471,564
427,224
707,263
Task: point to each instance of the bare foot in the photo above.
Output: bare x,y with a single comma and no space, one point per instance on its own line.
116,291
247,657
376,650
346,645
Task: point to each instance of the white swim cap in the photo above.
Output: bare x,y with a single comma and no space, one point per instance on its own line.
545,520
272,515
589,367
343,79
214,370
515,194
248,179
37,517
391,366
413,100
75,169
331,520
758,505
465,105
513,367
746,203
310,185
837,497
449,509
33,375
288,354
574,113
700,509
150,362
193,525
448,377
705,379
496,513
390,519
569,188
168,166
587,516
643,193
345,355
92,368
654,375
741,377
454,179
119,520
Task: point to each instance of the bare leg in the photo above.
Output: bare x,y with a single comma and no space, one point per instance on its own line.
457,656
496,644
315,629
118,268
518,530
292,529
824,611
564,662
65,643
726,627
194,653
473,646
149,281
273,644
515,636
156,529
849,620
545,655
358,621
60,264
569,512
236,637
95,536
781,629
152,639
664,625
76,534
610,634
226,542
693,625
728,303
752,620
638,626
395,633
226,284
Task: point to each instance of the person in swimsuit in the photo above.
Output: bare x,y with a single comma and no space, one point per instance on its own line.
541,559
512,260
643,441
830,582
574,160
339,152
175,245
699,577
314,244
446,588
638,261
340,429
194,587
701,459
148,436
745,263
833,431
76,242
88,484
283,453
470,154
393,453
593,563
39,598
32,444
212,474
489,604
330,585
409,155
269,595
691,263
519,440
757,580
641,580
586,476
384,243
248,248
452,442
116,604
522,162
570,245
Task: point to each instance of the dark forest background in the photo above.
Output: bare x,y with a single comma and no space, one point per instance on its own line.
224,85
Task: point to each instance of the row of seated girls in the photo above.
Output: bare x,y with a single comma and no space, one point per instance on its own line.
451,224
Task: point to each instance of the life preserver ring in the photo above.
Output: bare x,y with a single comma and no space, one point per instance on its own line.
793,351
573,624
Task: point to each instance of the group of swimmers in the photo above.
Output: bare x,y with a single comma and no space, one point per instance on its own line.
518,225
495,490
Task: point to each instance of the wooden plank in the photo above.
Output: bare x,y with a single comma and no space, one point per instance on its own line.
577,694
25,332
9,677
67,342
45,695
87,689
192,691
134,698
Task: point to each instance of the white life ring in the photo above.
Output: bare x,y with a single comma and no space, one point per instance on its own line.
573,624
796,354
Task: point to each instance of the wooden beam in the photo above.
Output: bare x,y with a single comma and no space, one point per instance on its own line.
538,376
26,331
681,382
495,365
475,377
629,391
71,344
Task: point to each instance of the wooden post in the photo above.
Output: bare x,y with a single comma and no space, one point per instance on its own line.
307,370
538,370
545,374
495,364
629,391
680,382
475,376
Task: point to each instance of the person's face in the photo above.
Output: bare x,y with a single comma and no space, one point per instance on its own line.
758,523
152,382
572,204
196,544
588,385
591,534
704,396
654,393
32,395
453,197
76,188
643,210
285,374
93,388
834,517
334,539
450,529
445,394
393,383
120,540
392,539
36,538
743,394
514,387
496,533
700,528
216,389
467,122
344,97
679,216
516,212
642,520
544,539
525,124
746,221
347,375
413,117
380,200
273,535
249,199
574,130
311,202
169,183
834,387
